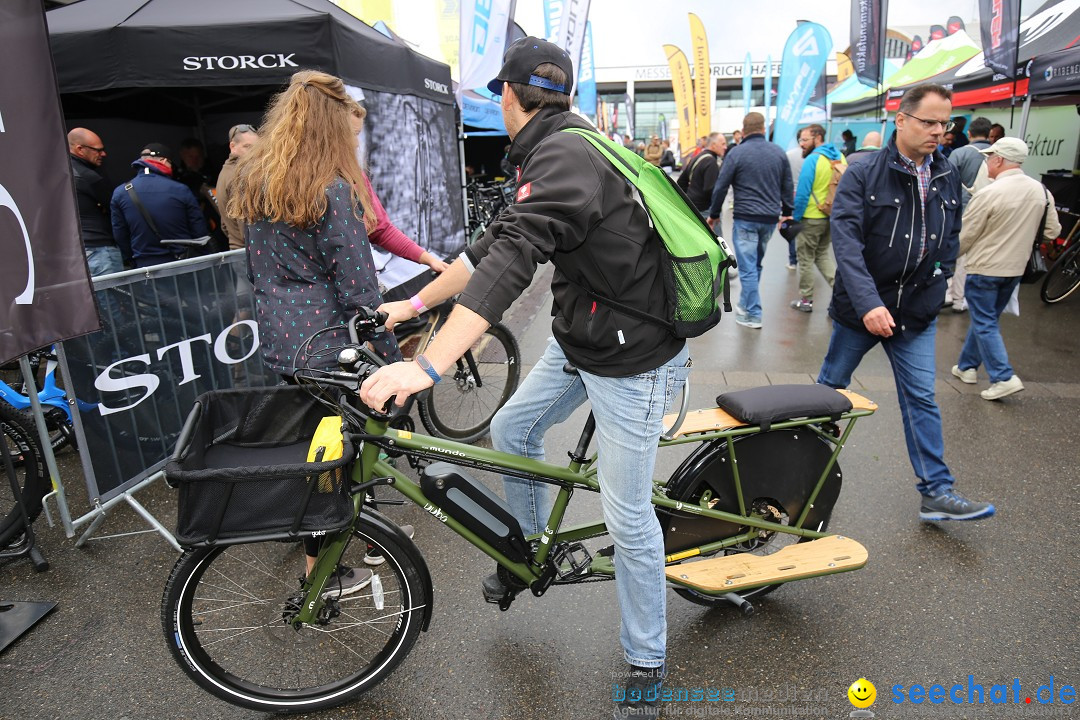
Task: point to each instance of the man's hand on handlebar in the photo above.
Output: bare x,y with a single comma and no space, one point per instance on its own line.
396,312
397,381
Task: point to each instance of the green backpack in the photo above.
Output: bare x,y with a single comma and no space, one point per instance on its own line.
695,273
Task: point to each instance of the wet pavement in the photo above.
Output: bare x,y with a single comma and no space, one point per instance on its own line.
995,600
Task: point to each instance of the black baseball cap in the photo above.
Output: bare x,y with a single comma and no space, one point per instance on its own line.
156,150
523,57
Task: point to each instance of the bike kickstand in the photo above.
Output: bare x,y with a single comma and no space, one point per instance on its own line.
740,602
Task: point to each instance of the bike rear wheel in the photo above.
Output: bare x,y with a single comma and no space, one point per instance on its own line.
1063,278
472,390
20,436
777,472
225,615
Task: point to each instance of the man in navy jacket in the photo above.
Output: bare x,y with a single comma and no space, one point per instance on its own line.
895,228
759,172
169,203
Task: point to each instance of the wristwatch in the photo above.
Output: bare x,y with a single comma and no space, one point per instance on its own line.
425,365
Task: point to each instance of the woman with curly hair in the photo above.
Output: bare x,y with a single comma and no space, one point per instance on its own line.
311,215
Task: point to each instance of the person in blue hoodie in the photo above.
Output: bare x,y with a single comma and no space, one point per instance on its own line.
168,210
814,244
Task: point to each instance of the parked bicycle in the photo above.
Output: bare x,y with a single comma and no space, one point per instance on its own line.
485,202
17,431
472,389
1064,275
747,511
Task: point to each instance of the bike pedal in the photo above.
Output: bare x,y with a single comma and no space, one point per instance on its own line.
571,561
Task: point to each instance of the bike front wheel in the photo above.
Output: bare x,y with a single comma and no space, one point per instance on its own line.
460,407
20,437
1063,278
226,616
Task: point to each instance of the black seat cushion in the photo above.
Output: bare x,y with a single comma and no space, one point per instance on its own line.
775,403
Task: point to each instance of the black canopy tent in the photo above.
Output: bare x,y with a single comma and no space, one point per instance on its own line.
137,71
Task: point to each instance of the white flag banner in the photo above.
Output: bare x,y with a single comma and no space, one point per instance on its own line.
571,34
483,39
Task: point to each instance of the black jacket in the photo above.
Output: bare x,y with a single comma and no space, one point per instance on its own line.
576,210
92,193
699,177
876,227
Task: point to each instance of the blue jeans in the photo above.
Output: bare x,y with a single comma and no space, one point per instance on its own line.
104,259
628,412
987,297
749,239
912,358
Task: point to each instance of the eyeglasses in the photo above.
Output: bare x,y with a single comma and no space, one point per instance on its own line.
91,147
946,125
240,129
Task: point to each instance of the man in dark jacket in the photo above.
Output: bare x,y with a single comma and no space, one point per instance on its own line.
895,228
577,211
169,211
92,192
698,178
761,176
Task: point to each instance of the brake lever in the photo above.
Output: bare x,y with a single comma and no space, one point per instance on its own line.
374,321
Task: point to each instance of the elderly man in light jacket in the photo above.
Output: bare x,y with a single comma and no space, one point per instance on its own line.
1000,226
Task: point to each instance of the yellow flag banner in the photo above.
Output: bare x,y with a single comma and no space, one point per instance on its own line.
703,81
680,84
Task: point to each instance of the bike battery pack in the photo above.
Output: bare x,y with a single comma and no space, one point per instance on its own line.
476,507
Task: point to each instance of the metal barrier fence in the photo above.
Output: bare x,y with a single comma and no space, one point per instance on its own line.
170,333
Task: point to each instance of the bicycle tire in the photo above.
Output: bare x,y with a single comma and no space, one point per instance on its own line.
223,611
33,478
461,406
777,471
1063,278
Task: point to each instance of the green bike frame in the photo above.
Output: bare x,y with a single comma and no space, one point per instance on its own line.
578,475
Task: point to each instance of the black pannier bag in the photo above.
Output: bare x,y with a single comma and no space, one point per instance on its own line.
241,469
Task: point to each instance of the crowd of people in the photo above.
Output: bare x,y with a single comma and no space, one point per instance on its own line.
882,223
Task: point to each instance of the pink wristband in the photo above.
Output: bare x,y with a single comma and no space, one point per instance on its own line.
418,304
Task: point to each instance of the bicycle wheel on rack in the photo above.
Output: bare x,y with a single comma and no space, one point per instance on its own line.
777,472
472,390
226,610
1064,276
21,439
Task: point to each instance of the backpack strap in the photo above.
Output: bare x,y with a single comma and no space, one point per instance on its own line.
130,188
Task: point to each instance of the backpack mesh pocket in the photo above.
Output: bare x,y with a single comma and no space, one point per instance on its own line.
693,278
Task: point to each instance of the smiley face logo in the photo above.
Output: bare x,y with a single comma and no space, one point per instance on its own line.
862,693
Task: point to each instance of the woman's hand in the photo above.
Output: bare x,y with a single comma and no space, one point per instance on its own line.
396,312
433,262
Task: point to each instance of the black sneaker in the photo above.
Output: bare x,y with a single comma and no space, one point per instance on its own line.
951,505
374,555
640,696
346,580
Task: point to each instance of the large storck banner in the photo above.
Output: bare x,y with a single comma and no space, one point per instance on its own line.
805,53
45,291
1000,28
868,22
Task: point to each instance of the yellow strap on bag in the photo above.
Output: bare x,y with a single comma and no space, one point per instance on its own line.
326,444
